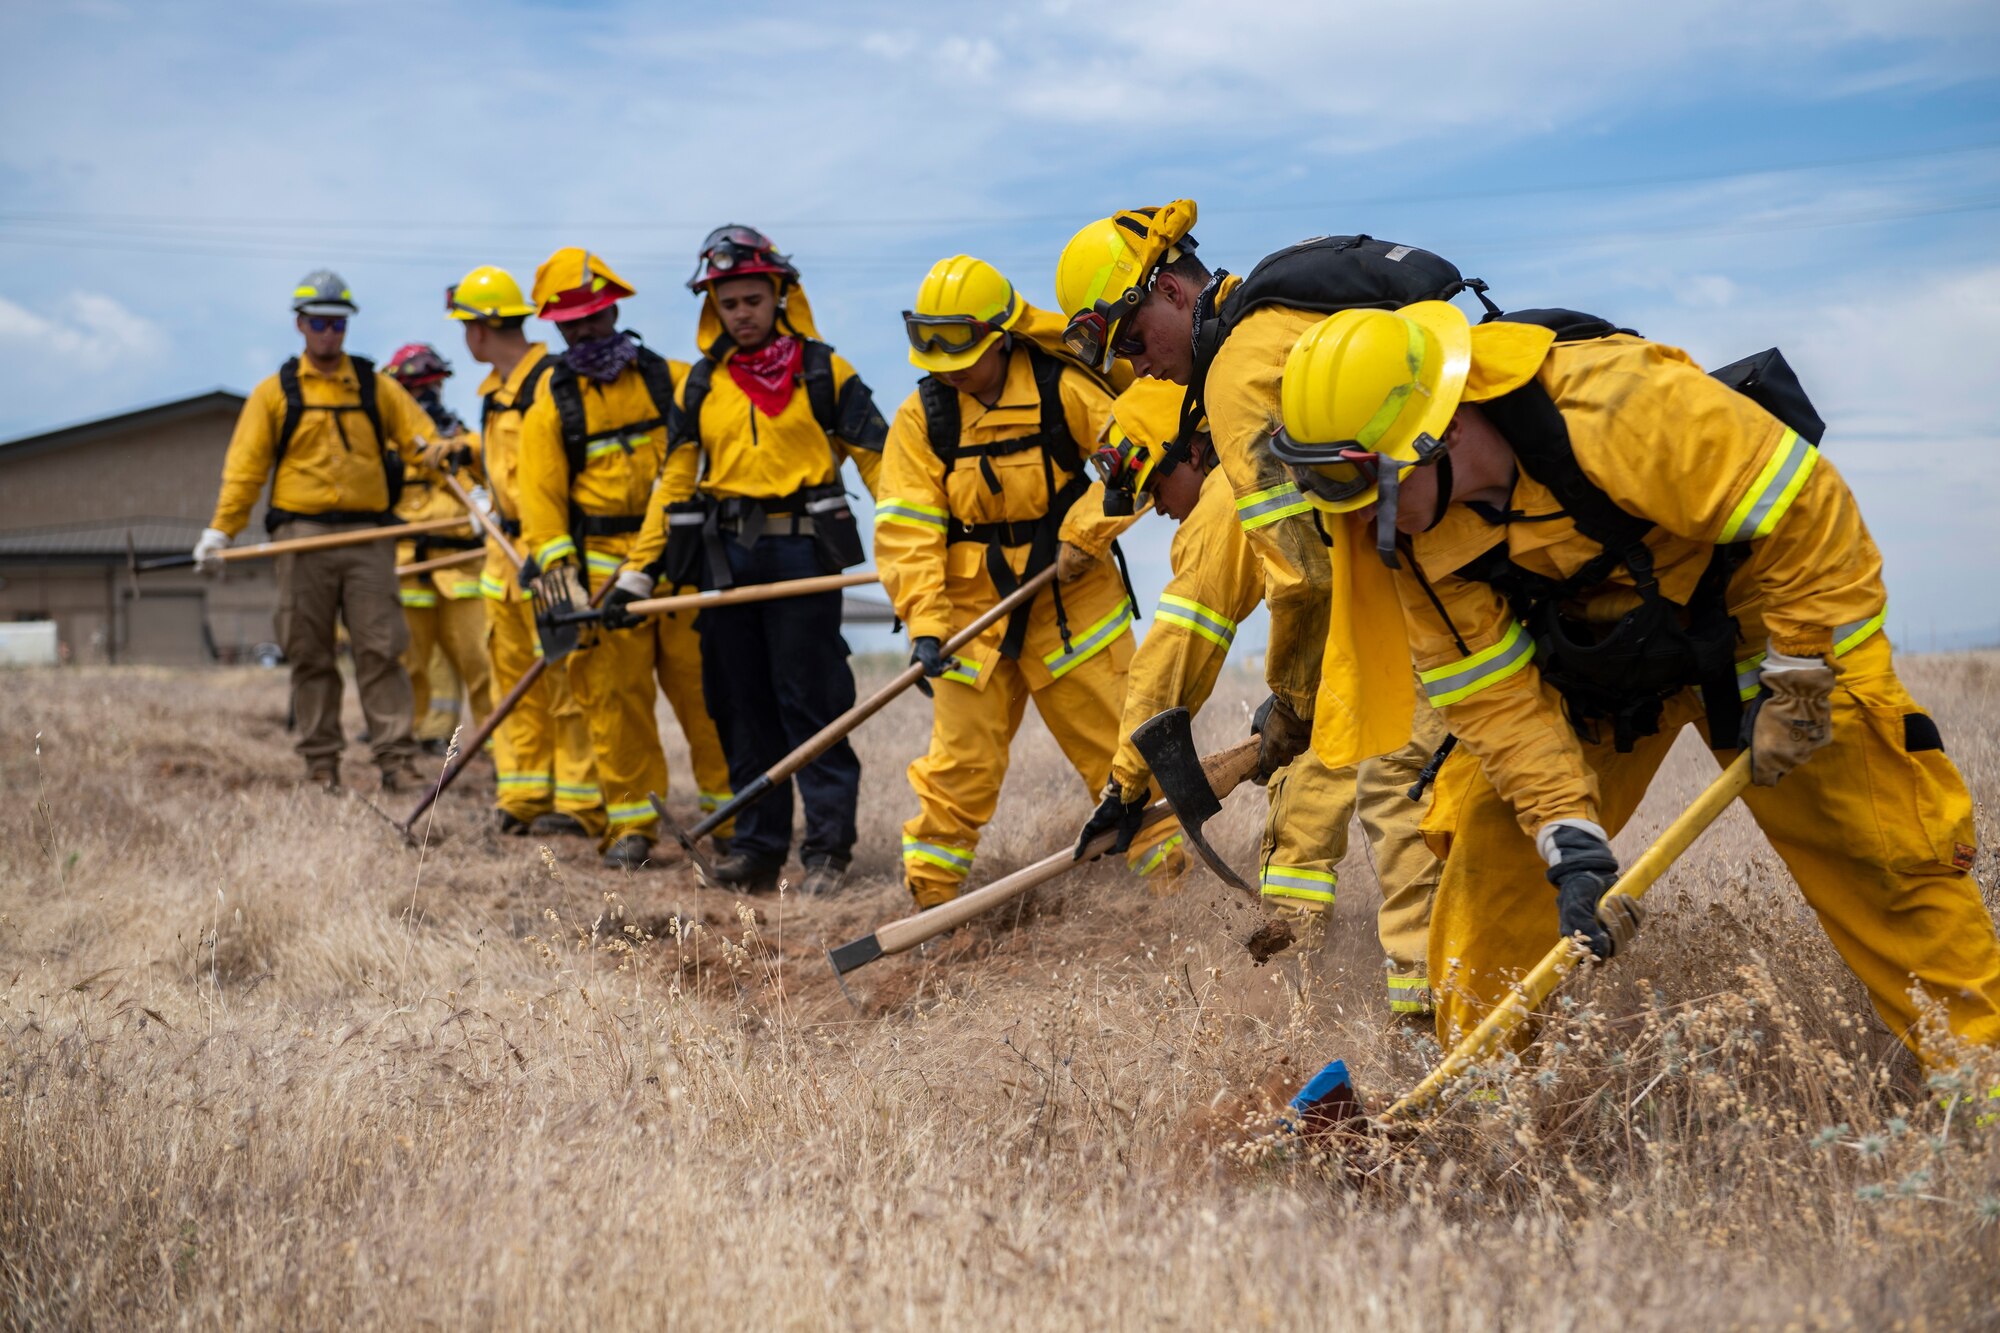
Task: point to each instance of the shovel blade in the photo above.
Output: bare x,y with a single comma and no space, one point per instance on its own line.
692,846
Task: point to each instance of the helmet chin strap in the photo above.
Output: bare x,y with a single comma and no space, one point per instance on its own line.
1388,491
1443,500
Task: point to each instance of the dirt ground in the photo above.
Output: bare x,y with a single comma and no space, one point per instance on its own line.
265,1064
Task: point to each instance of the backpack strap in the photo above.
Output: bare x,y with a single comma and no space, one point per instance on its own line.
364,380
568,397
816,372
295,409
941,420
658,378
685,425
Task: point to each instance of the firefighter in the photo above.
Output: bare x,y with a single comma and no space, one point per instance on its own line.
1217,580
442,607
1596,545
545,776
330,435
984,486
591,448
752,494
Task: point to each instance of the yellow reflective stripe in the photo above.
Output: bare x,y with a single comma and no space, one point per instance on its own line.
1092,642
582,791
630,812
627,443
523,781
1758,512
714,800
1298,883
1749,676
965,673
1159,855
603,564
556,548
953,859
1848,637
1190,614
1259,508
1459,680
911,513
492,589
417,597
463,592
1409,995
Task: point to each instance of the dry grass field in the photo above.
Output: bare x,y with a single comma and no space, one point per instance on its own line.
263,1065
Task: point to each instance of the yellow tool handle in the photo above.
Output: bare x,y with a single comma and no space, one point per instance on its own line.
1560,961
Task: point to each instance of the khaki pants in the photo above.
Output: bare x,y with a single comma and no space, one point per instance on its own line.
1306,837
357,585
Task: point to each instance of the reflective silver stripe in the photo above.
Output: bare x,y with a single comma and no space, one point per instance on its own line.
1298,882
1455,681
916,515
686,520
1409,995
1852,635
1097,638
1772,492
828,505
1270,505
945,858
1186,611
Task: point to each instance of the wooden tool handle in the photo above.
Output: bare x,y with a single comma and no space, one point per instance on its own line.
755,592
1559,962
1226,770
328,540
487,523
440,562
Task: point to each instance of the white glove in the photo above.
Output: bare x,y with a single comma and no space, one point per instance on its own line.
208,551
636,581
482,499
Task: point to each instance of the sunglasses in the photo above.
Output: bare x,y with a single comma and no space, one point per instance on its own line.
327,323
948,334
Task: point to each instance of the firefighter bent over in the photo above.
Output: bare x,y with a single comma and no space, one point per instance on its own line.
591,448
545,779
984,486
1597,545
752,494
330,436
442,606
1217,580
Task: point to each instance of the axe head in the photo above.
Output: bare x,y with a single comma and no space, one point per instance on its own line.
692,846
1166,742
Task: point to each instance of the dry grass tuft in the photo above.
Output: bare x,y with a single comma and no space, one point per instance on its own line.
257,1069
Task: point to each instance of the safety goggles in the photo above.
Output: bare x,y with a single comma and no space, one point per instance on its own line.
327,323
947,334
1342,470
452,303
1118,465
1090,332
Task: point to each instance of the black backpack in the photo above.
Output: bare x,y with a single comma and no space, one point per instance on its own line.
850,415
1624,673
295,411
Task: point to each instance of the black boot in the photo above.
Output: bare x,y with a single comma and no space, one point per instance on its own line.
824,874
558,825
752,874
512,825
630,852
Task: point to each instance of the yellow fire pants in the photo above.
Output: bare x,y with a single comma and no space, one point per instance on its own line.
455,626
972,730
1876,828
542,748
1305,838
613,675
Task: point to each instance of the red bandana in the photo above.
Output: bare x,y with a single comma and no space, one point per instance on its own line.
768,374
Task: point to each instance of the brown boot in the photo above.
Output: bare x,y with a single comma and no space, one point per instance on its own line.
631,852
404,777
326,777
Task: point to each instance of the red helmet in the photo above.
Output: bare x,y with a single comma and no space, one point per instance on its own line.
738,252
418,364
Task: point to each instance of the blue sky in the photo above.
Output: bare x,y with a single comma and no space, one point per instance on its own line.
1824,177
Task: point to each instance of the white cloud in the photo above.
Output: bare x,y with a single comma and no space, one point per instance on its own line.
87,333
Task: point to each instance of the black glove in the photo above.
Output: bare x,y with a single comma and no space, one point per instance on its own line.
1283,736
1584,869
929,651
614,614
1113,813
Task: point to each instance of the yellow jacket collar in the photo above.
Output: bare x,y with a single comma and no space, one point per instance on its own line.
1504,357
515,377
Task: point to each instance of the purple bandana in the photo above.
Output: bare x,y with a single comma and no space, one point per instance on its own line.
603,359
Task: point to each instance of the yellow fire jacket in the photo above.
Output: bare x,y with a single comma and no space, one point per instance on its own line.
500,461
937,585
334,460
1217,580
620,466
1241,398
1707,466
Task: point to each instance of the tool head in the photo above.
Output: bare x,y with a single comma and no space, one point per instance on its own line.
854,953
692,846
839,978
1166,742
556,621
1327,1102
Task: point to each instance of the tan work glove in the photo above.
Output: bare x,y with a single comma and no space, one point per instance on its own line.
560,589
1791,719
1282,735
1073,562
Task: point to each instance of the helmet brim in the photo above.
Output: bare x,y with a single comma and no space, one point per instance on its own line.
326,308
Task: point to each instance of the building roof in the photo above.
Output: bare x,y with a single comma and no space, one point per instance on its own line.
101,539
158,414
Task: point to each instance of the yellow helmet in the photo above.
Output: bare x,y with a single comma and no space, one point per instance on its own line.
486,294
963,306
1107,269
1365,389
573,282
1145,421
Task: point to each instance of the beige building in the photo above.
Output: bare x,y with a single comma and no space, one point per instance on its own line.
70,498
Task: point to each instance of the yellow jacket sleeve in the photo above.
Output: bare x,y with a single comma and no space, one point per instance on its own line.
1217,581
912,519
1475,663
247,465
1671,444
1241,398
1087,408
544,485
